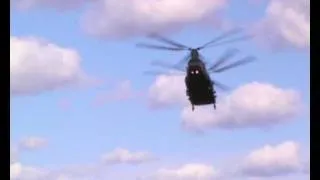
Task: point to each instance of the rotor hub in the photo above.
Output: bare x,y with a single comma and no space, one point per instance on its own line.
194,53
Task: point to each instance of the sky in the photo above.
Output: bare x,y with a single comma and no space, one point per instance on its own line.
82,108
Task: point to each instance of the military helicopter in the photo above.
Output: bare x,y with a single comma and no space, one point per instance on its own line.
199,85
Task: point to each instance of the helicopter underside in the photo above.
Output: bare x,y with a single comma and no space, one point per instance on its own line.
203,96
199,90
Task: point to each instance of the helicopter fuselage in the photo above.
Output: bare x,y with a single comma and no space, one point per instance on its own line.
199,85
195,63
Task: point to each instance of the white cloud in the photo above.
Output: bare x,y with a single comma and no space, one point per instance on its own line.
15,170
109,18
167,90
60,4
37,66
122,91
270,160
78,172
257,105
20,172
124,156
306,167
33,143
277,160
13,155
287,23
192,171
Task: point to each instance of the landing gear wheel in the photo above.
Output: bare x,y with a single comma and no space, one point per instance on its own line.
192,107
214,106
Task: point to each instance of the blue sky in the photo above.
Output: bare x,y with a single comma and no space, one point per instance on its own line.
68,128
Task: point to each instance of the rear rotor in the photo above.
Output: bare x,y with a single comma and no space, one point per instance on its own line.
218,66
176,46
214,68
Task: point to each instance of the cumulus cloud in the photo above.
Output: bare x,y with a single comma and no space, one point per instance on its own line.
124,156
306,167
277,160
15,170
20,172
254,105
37,66
287,24
65,104
59,4
33,143
259,105
109,18
167,90
13,155
122,91
192,171
271,160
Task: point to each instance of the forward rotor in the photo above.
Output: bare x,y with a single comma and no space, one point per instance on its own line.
217,67
176,46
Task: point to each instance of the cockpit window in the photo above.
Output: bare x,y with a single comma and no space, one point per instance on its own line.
195,68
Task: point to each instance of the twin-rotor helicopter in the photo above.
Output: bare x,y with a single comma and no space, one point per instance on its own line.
199,85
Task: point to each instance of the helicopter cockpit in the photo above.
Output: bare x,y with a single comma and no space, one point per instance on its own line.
195,68
195,65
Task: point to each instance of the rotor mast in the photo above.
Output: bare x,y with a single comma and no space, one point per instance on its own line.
194,54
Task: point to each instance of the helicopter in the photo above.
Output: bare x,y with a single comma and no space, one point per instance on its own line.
200,87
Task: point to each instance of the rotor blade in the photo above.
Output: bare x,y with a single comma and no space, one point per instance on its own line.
166,65
150,46
204,60
202,57
168,41
226,56
244,61
157,73
223,36
221,86
182,62
243,38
